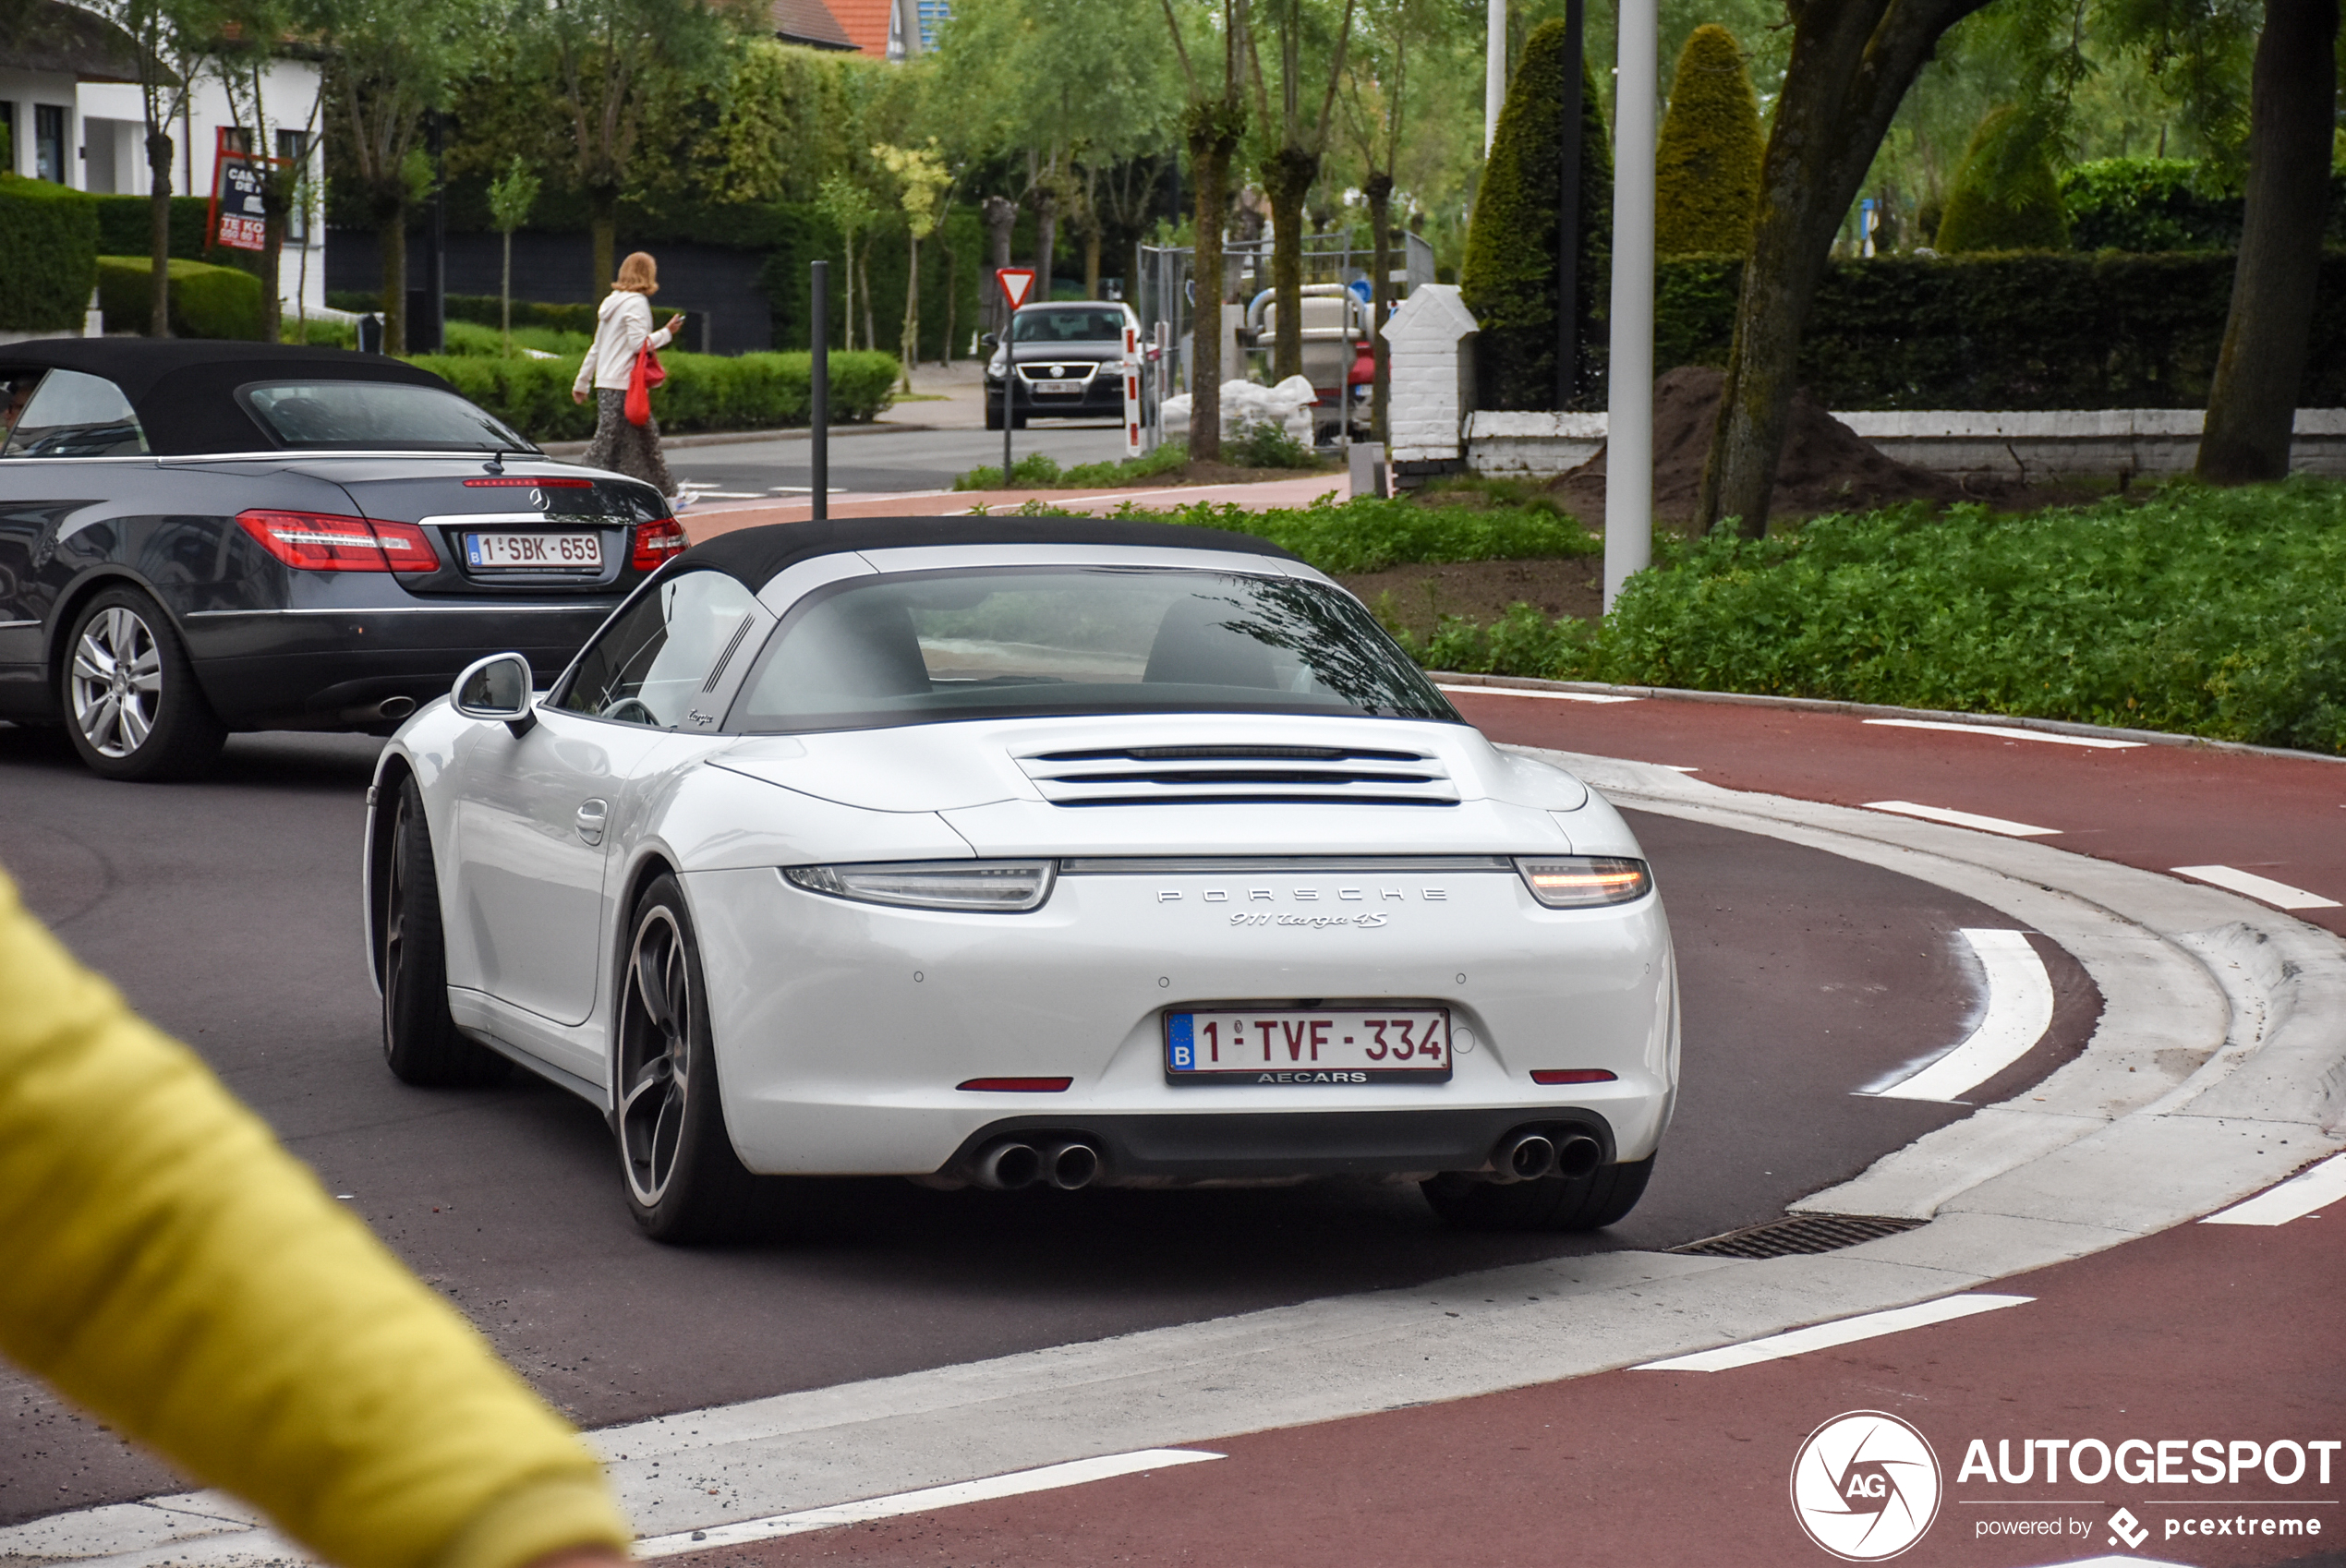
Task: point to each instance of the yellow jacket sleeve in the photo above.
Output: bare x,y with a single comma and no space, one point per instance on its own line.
167,1264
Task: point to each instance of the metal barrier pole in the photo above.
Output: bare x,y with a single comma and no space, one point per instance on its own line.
821,342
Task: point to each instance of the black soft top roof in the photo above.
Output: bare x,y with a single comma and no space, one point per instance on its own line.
756,555
182,388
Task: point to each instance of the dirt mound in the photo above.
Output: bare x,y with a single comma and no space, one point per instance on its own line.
1826,467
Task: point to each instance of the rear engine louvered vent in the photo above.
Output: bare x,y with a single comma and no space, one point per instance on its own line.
1800,1233
1249,775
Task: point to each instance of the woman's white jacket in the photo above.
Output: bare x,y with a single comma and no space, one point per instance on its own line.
621,327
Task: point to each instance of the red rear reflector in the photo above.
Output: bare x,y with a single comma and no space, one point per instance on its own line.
1016,1085
517,481
654,542
312,541
1572,1075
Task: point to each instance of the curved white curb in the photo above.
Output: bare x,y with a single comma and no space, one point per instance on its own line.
2219,1066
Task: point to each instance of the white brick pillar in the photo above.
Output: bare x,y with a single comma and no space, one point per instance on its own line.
1431,345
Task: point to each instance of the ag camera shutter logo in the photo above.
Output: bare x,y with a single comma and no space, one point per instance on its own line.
1865,1485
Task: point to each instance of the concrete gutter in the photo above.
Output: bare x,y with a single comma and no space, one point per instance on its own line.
2218,1067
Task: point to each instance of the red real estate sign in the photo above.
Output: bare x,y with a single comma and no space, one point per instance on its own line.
239,220
1017,284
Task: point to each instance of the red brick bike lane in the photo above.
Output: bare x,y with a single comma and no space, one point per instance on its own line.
2229,1334
2151,805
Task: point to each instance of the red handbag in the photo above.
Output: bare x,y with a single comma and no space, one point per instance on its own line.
649,373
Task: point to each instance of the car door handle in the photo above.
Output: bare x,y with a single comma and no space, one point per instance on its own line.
592,816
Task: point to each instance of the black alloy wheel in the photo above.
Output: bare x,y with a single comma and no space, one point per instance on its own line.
683,1181
132,707
1590,1202
421,1042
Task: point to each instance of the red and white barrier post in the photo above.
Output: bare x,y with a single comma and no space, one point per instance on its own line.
1132,389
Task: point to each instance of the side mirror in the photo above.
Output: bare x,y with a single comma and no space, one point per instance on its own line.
496,688
988,340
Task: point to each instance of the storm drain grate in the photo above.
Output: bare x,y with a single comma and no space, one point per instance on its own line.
1799,1233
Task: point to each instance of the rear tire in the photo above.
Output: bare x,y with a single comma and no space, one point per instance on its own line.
1601,1198
421,1042
682,1180
133,711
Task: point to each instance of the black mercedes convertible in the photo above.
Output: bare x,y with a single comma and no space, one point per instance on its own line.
198,538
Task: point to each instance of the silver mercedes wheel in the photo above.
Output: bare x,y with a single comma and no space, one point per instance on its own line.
655,1054
116,682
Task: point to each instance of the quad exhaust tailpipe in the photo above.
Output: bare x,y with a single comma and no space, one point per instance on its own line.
1065,1164
1530,1156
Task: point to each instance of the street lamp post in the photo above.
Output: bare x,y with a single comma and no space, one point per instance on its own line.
1628,463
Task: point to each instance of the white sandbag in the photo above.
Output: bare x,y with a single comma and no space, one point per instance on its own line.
1174,414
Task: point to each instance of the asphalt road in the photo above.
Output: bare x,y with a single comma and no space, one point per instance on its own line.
228,912
882,458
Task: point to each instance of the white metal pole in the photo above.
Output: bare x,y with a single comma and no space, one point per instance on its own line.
1628,463
1494,73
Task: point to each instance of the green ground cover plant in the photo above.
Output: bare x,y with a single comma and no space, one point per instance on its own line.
746,392
1369,535
1041,471
2199,611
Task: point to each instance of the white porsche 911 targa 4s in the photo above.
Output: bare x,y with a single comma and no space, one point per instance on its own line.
997,851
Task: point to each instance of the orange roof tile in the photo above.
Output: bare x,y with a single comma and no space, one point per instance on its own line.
866,21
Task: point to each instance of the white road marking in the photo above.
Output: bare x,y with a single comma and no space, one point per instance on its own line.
1824,1337
1016,1484
1552,697
2292,1200
2020,1008
1965,819
2118,1560
694,492
2010,732
2280,895
809,489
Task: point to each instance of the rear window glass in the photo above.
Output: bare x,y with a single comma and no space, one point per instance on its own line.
71,415
1067,326
1012,641
376,417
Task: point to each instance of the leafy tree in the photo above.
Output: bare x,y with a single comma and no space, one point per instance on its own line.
251,44
1290,163
1852,62
2005,197
1213,121
173,41
1509,278
851,210
511,196
921,182
1707,168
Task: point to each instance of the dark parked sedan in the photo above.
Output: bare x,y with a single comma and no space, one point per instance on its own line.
1070,362
201,537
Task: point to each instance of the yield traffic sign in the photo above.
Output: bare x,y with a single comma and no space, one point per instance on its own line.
1017,284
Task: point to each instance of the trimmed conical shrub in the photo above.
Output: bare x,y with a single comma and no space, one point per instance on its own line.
2004,195
1707,168
1509,278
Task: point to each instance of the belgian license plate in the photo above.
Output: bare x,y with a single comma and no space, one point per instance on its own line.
1307,1045
544,553
1059,386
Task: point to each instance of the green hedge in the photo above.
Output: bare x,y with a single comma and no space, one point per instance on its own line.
124,226
206,302
2153,204
748,391
49,235
2004,196
2028,330
2207,612
482,310
1707,178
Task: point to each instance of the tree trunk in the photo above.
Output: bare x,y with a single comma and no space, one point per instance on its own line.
909,346
1091,259
1210,150
1287,180
952,258
847,303
1047,240
602,224
505,297
272,262
863,287
391,225
1378,189
1000,215
159,235
2252,406
1851,64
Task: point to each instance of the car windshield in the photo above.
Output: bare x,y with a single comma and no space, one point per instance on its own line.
1014,641
375,416
1069,324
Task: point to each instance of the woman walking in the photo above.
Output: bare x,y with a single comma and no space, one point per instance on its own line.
621,328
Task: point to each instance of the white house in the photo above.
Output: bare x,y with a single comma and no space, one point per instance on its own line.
70,103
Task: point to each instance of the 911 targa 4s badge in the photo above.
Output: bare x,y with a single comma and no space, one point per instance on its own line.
1001,852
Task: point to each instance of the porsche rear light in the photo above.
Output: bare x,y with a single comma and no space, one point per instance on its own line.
1578,882
1016,1085
1572,1075
316,541
992,887
654,542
